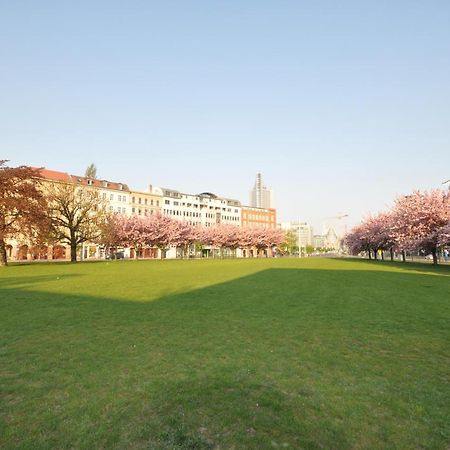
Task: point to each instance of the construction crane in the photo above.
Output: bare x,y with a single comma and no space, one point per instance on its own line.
339,216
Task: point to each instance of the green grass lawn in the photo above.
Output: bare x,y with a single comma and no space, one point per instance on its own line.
243,354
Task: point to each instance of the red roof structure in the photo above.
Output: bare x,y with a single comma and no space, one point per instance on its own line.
85,181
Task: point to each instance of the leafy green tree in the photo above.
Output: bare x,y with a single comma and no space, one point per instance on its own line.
309,249
290,244
91,171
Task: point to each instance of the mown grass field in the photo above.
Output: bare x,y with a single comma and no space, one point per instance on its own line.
243,354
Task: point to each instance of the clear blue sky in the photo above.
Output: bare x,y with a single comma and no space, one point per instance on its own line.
340,104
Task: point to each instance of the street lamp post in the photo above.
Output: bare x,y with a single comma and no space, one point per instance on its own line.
298,239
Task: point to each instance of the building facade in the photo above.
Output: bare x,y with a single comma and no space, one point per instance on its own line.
144,204
258,217
302,230
205,209
113,195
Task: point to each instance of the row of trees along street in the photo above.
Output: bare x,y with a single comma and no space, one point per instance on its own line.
419,222
163,232
41,212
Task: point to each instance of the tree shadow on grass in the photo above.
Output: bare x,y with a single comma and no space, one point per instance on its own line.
284,357
422,267
28,281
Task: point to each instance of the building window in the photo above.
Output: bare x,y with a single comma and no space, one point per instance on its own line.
167,202
151,202
111,196
157,202
133,199
145,201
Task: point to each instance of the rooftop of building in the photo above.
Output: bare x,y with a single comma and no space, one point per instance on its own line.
64,177
177,194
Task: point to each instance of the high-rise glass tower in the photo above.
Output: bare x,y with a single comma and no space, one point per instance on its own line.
260,196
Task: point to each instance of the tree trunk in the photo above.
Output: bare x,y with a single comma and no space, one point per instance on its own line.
382,255
73,252
403,256
375,253
392,254
435,261
3,256
370,254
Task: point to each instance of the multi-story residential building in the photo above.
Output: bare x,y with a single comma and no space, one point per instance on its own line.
260,196
258,217
115,197
205,209
302,230
146,203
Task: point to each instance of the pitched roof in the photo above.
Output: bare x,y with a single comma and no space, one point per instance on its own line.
54,175
75,179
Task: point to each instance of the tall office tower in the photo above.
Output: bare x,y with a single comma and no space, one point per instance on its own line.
260,196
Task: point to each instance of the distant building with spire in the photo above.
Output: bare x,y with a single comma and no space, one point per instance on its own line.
260,195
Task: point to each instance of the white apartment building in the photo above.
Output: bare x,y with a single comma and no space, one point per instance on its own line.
115,195
205,209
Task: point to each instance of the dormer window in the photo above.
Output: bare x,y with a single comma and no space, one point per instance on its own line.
90,182
121,187
105,183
